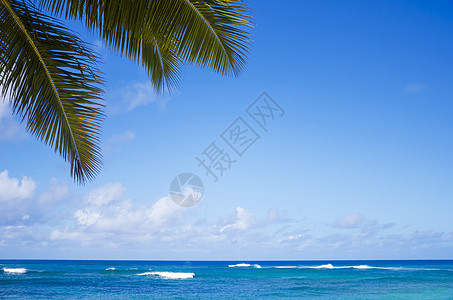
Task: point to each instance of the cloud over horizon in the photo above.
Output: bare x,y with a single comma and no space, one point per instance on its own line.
349,221
104,218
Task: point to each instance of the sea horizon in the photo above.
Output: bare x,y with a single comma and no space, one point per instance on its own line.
226,149
226,260
226,279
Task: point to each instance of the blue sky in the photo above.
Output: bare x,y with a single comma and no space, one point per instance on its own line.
359,167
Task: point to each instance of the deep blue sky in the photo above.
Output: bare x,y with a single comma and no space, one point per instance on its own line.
360,166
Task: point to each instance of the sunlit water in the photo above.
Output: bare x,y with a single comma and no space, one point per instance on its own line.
226,279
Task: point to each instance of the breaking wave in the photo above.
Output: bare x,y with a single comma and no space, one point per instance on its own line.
239,265
15,270
359,267
169,275
257,266
243,265
327,266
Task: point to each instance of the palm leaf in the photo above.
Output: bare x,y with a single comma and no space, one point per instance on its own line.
207,33
210,33
54,84
162,64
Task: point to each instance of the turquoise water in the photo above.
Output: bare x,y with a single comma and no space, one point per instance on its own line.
50,279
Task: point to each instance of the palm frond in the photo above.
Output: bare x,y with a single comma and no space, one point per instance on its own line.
210,33
162,64
207,33
54,84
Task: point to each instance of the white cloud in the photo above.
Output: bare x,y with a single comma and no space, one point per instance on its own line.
105,210
415,87
118,139
15,199
9,127
134,95
12,188
64,235
242,221
55,194
106,216
104,195
349,221
20,207
107,220
141,93
275,215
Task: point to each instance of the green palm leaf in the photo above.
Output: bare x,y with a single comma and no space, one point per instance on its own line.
209,33
52,77
54,84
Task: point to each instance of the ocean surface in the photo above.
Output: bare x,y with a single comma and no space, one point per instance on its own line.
63,279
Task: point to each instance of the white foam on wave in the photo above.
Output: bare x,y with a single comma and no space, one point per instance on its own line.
240,265
257,266
170,275
367,267
110,269
327,266
360,267
15,270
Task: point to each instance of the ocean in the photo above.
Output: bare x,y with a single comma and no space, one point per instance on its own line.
71,279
